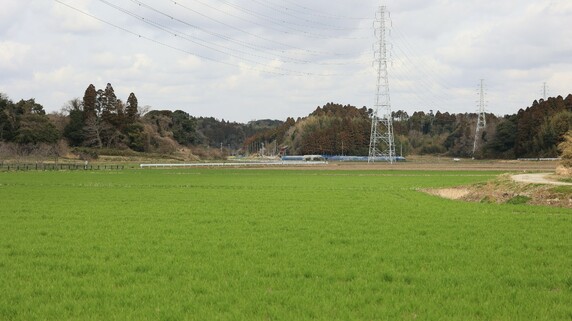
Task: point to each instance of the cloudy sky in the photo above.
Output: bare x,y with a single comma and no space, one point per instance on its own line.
242,60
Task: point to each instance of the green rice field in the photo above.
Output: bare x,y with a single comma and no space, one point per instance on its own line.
255,244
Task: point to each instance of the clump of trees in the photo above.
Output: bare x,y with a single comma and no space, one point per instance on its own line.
101,120
26,129
25,122
333,129
541,127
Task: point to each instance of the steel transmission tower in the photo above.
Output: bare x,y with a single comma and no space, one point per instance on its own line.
381,139
544,92
482,120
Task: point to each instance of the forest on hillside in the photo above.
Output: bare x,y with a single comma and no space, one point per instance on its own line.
334,129
100,122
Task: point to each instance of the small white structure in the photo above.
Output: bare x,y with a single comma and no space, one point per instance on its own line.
314,158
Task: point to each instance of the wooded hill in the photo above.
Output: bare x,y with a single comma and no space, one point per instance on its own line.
334,129
101,121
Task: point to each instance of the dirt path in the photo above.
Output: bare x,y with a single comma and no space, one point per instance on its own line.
540,178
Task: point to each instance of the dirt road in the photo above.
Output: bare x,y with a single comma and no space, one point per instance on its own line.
438,164
540,178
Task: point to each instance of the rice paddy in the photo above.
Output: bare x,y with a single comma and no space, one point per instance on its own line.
249,244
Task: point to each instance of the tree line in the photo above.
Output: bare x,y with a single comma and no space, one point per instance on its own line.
335,129
102,121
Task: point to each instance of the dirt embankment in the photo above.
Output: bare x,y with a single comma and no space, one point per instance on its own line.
505,189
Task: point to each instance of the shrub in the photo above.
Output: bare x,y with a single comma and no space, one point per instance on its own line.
519,199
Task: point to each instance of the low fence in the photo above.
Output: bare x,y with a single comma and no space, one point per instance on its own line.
235,164
56,167
540,159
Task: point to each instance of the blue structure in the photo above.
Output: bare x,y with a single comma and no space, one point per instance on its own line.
292,158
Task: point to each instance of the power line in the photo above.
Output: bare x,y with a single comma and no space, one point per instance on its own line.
170,46
208,44
283,23
142,36
286,12
268,55
417,74
287,46
262,67
316,13
212,33
403,42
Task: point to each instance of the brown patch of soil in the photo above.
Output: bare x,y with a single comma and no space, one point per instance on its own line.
450,193
565,172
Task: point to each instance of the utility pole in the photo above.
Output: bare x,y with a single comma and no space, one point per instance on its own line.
481,120
544,92
381,142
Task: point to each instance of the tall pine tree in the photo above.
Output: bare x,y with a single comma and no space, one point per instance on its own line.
108,104
131,109
92,107
89,102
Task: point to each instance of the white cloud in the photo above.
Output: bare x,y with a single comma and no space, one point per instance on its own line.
13,54
441,50
10,10
141,63
59,75
189,63
67,19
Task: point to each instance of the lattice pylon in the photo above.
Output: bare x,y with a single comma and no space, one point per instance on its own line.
381,144
481,120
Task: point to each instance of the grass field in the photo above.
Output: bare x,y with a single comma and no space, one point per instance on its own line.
231,244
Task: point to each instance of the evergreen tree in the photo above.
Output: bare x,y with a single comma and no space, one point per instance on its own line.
8,120
108,101
131,109
92,102
89,102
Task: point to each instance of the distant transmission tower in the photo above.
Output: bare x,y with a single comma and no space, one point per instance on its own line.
482,120
544,91
381,139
